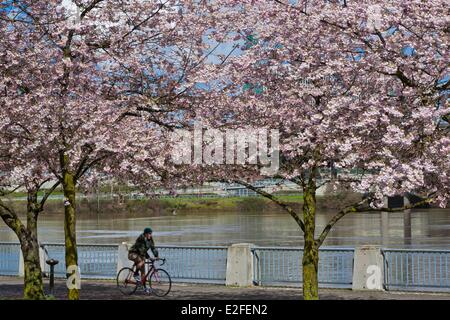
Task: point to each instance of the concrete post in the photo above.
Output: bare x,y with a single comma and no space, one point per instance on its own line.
42,258
21,264
239,265
368,268
122,257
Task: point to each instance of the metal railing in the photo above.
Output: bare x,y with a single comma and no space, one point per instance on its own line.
96,261
9,258
417,270
283,266
195,264
405,269
185,264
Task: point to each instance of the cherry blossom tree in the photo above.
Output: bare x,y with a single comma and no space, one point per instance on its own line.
19,171
350,85
90,87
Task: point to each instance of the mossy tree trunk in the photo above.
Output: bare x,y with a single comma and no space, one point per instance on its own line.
311,250
33,284
29,245
71,254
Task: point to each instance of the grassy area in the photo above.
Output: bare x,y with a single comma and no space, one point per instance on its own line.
225,203
40,194
168,205
291,198
201,203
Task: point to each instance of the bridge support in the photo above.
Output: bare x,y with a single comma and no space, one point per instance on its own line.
396,201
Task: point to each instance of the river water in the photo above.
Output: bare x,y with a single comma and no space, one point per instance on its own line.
421,228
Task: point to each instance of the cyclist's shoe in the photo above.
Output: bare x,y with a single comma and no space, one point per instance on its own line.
147,290
137,278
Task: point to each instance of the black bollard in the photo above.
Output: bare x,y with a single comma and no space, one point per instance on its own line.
52,263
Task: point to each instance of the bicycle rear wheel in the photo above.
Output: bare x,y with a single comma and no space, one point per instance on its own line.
125,281
160,282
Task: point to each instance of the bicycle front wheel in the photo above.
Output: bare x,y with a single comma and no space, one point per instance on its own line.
160,282
125,281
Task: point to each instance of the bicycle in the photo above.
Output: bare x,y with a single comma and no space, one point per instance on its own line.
158,279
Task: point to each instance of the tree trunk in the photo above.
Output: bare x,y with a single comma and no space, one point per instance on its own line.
33,284
70,228
29,246
310,251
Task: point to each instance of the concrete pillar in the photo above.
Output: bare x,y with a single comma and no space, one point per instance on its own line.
368,268
122,256
42,258
21,267
240,265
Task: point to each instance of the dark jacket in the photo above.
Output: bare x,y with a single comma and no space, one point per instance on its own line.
142,245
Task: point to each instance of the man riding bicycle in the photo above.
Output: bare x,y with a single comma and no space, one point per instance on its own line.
138,252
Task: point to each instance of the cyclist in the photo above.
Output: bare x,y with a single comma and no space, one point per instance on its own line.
138,253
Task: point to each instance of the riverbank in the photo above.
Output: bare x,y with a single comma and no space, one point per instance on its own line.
161,206
191,205
11,288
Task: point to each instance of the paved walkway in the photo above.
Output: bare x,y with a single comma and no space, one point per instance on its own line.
11,288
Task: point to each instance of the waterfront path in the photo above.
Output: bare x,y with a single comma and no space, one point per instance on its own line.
11,288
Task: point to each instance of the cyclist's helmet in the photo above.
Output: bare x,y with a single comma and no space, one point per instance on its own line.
148,230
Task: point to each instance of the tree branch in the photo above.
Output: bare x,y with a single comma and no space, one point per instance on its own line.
358,207
82,170
276,200
10,218
335,219
47,194
5,193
